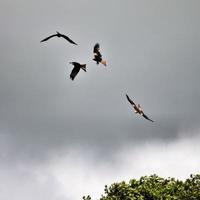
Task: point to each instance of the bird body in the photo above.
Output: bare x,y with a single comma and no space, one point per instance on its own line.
138,109
97,55
76,69
58,35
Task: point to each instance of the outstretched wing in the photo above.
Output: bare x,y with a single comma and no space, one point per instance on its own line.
147,118
96,50
74,72
45,39
130,101
68,39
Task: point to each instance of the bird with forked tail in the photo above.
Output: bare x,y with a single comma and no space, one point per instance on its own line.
97,55
58,35
76,69
138,109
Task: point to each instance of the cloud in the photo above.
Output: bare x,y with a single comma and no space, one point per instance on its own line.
22,182
72,172
81,172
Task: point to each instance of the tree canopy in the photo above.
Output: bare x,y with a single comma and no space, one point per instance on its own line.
153,188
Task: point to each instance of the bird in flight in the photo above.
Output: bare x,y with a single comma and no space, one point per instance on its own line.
138,108
58,35
97,55
76,69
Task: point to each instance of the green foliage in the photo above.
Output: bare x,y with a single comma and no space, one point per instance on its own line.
153,188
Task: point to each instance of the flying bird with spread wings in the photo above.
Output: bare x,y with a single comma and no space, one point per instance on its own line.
97,55
138,109
58,35
76,69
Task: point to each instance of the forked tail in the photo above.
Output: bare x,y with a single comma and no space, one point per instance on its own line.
104,62
83,67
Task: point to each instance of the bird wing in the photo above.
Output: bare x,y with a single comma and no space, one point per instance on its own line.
75,64
130,101
45,39
74,72
68,39
147,118
96,48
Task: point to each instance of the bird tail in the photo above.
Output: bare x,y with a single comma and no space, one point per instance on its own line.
104,62
83,67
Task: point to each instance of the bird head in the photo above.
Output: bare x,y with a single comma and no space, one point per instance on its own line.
58,33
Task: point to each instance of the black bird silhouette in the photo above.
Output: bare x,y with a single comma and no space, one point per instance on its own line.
76,69
59,35
97,55
138,108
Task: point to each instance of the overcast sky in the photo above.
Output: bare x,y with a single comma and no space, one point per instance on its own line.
62,139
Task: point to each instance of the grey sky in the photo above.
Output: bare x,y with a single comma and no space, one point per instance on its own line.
152,52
